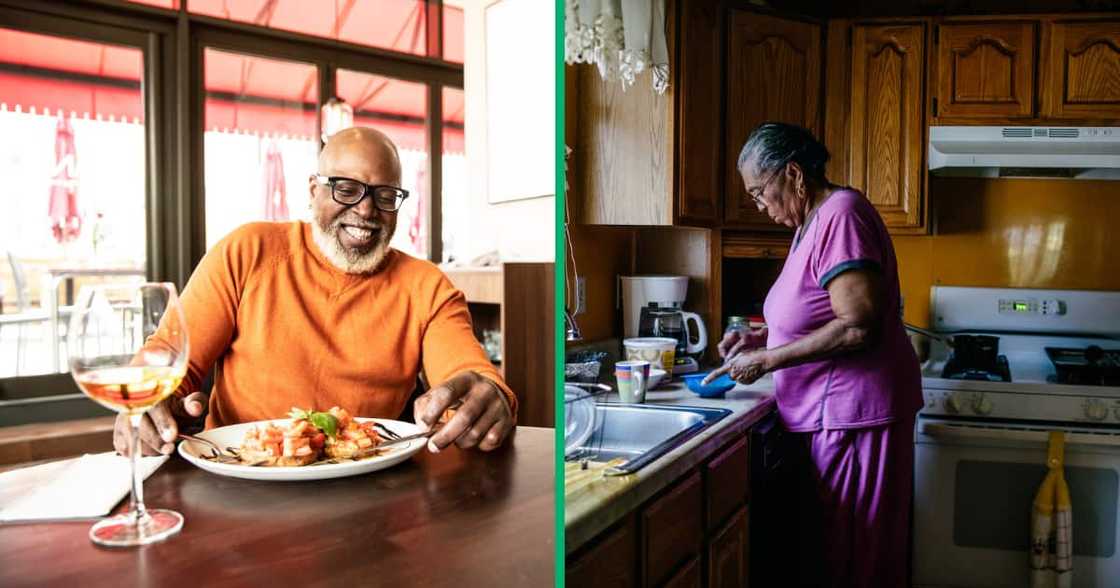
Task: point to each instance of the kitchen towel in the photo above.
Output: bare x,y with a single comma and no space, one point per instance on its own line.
84,487
1052,523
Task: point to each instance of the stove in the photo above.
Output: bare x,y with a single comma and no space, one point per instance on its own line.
1090,365
1042,372
981,438
957,370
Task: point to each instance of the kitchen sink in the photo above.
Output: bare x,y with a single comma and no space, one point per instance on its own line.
641,433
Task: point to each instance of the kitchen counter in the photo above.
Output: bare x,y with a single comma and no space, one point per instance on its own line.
594,506
456,518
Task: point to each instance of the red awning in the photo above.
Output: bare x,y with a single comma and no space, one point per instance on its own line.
244,93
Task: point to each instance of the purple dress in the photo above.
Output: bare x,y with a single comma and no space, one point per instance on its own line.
856,410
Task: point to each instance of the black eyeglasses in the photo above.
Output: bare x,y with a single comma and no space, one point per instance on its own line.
757,194
349,192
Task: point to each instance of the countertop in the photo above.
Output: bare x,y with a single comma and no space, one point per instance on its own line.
595,506
457,518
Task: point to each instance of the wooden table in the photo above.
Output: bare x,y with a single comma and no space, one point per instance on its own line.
457,518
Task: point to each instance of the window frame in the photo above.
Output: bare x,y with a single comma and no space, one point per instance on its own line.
173,42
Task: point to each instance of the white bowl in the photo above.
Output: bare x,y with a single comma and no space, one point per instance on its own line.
656,377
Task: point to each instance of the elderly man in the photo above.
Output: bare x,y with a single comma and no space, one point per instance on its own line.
326,313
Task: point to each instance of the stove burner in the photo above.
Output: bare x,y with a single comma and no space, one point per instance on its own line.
1000,372
1090,366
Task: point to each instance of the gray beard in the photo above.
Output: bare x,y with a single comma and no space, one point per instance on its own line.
349,261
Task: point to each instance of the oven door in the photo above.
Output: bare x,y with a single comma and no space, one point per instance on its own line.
974,486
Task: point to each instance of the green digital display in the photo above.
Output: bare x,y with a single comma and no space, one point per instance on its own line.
1020,307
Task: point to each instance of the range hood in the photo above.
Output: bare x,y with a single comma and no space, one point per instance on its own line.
994,152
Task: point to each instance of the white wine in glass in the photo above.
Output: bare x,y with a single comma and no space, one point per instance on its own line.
128,351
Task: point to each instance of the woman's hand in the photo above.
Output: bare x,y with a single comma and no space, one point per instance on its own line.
744,368
738,340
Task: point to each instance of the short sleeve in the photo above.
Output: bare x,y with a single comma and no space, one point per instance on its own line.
847,239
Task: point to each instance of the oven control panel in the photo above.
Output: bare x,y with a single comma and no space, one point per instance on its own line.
972,403
1032,306
957,402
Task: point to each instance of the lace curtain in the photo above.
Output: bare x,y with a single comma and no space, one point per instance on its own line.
621,37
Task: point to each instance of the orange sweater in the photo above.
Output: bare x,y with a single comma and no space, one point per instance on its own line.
287,328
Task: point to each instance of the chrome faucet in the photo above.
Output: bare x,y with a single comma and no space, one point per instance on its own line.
571,329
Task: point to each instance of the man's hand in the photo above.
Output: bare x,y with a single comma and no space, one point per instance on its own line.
744,368
738,340
482,414
158,428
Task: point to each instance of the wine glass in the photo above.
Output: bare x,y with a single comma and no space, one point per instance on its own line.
128,351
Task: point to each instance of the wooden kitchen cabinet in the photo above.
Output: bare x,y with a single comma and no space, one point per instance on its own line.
876,130
729,552
1081,69
985,69
610,562
672,529
773,74
654,160
689,576
748,246
698,129
727,483
695,532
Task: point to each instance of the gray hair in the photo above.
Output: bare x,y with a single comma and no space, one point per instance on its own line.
772,145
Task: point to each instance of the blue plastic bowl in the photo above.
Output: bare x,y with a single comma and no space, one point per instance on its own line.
716,389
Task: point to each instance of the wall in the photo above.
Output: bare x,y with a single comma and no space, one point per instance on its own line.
522,230
1029,233
602,253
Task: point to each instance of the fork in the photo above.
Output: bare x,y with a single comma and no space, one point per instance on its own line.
216,452
388,432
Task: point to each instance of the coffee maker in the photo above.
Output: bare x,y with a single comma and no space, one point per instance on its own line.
652,308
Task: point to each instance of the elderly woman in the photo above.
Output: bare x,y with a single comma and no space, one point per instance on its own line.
846,379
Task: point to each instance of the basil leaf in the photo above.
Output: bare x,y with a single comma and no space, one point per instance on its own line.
325,422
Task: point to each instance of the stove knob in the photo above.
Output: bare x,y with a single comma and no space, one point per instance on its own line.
981,405
952,403
1095,410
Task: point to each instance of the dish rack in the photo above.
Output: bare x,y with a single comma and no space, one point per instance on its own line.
581,422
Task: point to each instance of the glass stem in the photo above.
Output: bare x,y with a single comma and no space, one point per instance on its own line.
136,501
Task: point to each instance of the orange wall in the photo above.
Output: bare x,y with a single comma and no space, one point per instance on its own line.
1028,233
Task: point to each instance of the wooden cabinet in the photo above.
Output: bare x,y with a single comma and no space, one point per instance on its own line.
697,94
727,480
985,69
687,577
728,553
654,160
693,533
877,129
516,299
747,246
773,74
672,530
609,562
1081,70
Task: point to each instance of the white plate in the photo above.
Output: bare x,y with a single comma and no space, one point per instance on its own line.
231,436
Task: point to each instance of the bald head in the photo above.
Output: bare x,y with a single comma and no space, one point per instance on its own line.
363,154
